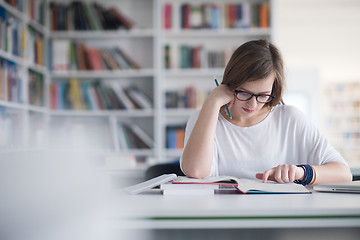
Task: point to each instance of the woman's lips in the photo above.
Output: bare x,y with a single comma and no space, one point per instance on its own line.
248,110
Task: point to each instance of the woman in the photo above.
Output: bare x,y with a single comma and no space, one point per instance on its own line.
264,138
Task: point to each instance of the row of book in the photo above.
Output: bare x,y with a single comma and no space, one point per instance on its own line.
217,16
72,55
10,82
36,88
83,16
189,97
20,40
196,57
132,136
175,137
33,8
85,95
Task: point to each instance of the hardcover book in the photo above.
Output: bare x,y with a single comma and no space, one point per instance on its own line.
245,185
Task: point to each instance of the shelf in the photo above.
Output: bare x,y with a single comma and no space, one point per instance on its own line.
22,106
217,33
103,35
173,152
201,72
103,113
23,62
180,112
103,74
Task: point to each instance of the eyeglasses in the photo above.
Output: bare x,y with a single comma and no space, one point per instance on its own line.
246,96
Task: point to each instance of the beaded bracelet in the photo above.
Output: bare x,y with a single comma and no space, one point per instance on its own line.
308,174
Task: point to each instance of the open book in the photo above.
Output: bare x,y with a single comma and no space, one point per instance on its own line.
246,185
243,185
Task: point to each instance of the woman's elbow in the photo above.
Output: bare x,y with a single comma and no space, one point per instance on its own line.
194,172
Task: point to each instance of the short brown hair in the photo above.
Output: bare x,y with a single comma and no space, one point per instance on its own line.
256,60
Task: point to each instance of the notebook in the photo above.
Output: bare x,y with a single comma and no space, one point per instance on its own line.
348,187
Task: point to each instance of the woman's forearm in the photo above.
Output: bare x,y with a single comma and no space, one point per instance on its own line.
198,152
332,172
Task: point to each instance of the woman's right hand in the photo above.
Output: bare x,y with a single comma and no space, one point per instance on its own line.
222,95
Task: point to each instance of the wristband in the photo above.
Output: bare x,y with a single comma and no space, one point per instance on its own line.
308,174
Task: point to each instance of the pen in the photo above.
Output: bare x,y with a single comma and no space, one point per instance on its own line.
226,106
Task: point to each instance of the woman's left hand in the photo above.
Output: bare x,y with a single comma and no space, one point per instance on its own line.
282,174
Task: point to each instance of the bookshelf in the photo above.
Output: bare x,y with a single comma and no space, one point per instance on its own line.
156,40
192,56
107,112
23,76
343,119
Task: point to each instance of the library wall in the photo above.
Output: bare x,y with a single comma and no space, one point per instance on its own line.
324,35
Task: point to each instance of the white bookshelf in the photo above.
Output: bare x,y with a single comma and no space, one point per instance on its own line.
343,119
201,78
145,42
16,129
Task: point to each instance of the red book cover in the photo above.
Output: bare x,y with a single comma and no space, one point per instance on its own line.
53,95
80,55
95,60
186,16
231,15
196,57
167,15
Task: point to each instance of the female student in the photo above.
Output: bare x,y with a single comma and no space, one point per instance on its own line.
258,136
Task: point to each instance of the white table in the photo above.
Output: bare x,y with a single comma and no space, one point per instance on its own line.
316,210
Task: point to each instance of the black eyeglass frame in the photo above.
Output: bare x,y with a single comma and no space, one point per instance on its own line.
271,97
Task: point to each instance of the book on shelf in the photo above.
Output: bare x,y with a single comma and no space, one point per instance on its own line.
131,136
36,88
197,57
85,95
60,54
74,55
34,8
242,186
215,15
175,137
10,82
138,97
189,97
167,16
87,16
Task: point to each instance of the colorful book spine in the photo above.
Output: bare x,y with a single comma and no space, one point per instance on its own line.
246,14
36,88
72,55
77,95
84,16
10,82
175,137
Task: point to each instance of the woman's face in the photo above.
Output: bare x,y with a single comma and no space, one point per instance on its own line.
250,108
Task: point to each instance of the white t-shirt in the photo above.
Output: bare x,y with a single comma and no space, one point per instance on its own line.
285,136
